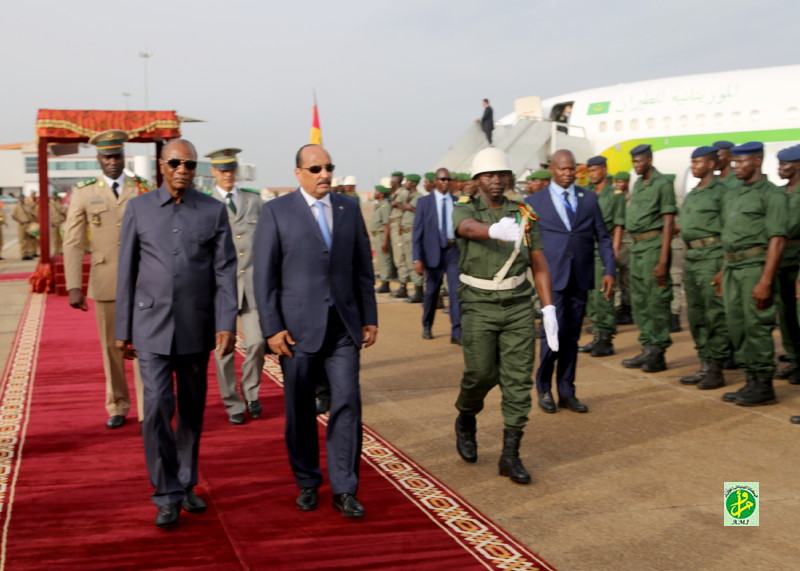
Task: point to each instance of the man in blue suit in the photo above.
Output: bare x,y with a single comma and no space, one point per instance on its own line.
176,301
314,293
436,253
570,221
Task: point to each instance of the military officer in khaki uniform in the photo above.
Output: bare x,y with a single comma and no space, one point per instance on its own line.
2,223
399,198
380,238
96,207
25,216
407,227
57,217
244,206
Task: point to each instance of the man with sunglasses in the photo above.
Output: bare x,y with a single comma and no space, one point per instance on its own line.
314,293
96,208
176,301
435,253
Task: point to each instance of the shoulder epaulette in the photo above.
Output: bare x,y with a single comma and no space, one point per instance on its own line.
464,200
87,182
142,184
253,190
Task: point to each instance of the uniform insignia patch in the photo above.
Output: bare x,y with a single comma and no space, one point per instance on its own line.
86,182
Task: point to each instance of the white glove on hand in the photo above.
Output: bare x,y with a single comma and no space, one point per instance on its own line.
550,326
507,230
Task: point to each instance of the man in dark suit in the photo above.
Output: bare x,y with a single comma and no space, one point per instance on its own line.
314,293
176,301
436,253
487,121
570,221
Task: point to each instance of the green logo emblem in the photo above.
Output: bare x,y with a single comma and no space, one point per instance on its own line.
741,503
599,108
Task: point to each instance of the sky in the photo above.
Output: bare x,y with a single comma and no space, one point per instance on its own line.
397,82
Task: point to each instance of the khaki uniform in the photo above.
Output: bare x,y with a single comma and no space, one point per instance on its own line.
58,216
2,223
24,213
407,226
497,327
377,227
243,228
94,210
401,196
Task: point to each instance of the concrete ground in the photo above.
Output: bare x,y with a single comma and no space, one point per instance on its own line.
637,483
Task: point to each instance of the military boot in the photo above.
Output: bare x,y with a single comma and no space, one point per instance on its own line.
760,393
624,315
401,292
466,444
656,362
510,464
639,360
590,345
417,297
749,381
787,371
698,376
714,378
604,346
383,288
675,323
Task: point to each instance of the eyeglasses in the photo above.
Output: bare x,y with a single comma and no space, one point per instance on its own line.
316,169
445,178
175,163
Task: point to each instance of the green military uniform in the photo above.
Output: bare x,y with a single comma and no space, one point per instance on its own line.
787,271
407,227
497,327
400,196
730,181
650,200
701,226
751,216
677,260
377,227
600,311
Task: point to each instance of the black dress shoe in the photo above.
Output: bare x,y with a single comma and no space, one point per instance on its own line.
237,418
307,500
115,421
426,334
192,503
168,515
254,409
455,340
546,402
573,404
795,420
323,405
348,505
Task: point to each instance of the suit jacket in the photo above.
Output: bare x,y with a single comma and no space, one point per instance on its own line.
93,208
243,226
296,276
177,273
425,237
571,252
487,121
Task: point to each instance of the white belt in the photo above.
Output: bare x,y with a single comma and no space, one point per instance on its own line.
493,285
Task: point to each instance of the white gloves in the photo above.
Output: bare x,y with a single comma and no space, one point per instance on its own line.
507,230
550,326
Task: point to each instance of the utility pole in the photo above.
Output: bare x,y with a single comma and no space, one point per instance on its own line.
145,56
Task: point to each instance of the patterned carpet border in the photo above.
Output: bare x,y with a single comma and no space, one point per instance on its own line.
478,535
16,387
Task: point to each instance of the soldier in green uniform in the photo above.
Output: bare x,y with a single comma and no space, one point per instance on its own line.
676,263
754,227
537,181
701,226
649,218
599,309
498,241
398,198
724,156
407,227
789,170
622,293
379,229
350,183
429,182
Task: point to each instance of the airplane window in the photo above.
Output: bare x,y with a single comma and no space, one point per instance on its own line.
667,121
634,124
651,123
791,113
736,117
603,126
717,118
618,125
754,115
683,120
701,119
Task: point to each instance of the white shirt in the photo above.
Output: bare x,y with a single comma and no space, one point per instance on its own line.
234,193
120,182
328,207
443,199
557,196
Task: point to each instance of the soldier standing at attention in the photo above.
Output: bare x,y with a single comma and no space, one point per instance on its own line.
622,293
350,183
724,157
380,237
97,206
789,170
649,218
24,218
701,226
57,218
429,182
599,309
244,206
398,198
407,228
754,227
498,241
2,223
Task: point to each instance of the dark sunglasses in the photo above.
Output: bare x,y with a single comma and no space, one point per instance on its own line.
175,163
445,178
316,169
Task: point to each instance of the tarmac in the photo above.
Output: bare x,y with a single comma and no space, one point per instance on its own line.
637,483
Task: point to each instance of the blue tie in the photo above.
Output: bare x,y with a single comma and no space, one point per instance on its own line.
570,211
443,228
323,224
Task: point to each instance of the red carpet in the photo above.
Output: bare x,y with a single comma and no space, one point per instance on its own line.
14,277
75,495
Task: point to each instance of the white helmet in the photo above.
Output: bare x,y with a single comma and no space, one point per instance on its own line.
386,181
491,159
334,181
350,181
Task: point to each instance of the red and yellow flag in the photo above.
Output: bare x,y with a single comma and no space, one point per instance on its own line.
316,130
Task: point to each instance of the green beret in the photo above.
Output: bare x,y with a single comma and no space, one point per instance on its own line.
429,176
622,175
397,173
464,177
383,189
413,177
541,174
